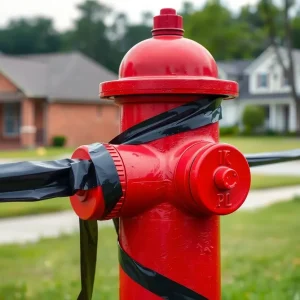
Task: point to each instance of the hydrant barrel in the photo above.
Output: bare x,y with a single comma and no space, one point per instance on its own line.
174,187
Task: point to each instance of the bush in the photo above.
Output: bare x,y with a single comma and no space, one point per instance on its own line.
229,131
253,118
59,141
270,132
291,134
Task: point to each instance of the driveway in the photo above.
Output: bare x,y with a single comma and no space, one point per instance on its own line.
32,228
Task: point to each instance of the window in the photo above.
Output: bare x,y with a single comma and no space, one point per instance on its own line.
11,119
262,80
285,80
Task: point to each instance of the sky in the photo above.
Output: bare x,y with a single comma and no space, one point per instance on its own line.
64,11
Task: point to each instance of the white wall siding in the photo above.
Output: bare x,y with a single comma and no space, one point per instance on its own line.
229,108
271,67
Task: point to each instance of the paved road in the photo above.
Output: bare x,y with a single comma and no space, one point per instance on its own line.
31,229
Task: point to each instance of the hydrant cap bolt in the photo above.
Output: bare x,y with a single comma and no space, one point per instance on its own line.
226,178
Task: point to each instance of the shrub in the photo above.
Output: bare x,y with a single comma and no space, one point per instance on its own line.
291,133
253,118
59,141
229,131
270,132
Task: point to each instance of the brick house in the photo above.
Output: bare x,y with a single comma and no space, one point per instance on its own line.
42,96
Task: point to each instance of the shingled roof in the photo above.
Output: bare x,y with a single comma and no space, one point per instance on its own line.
234,67
60,76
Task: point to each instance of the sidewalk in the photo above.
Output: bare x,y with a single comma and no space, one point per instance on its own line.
32,228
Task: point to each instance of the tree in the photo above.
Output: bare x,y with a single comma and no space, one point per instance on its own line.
286,61
128,35
224,35
90,35
25,36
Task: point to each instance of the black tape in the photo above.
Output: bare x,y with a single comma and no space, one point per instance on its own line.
154,282
88,257
34,181
260,159
184,118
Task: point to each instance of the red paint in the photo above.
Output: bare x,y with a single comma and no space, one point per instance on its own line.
174,188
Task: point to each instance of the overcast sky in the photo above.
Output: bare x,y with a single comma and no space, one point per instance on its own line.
64,11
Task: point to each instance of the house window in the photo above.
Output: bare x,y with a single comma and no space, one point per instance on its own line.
11,119
285,80
262,80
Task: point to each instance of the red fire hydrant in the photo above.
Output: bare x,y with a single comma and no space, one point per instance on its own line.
174,188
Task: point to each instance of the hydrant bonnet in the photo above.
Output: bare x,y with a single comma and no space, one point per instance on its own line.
168,63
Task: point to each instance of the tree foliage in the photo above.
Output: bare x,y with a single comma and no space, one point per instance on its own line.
105,34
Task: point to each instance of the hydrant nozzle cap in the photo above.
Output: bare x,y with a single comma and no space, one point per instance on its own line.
167,22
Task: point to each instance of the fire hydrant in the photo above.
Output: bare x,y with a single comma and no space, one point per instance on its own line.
176,187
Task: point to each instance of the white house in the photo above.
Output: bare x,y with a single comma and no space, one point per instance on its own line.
262,82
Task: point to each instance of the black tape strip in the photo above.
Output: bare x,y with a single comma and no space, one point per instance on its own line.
107,176
34,181
260,159
184,118
88,257
154,282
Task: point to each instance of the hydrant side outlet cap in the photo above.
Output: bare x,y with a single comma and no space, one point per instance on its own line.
168,63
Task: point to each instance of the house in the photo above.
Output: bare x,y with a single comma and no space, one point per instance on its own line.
262,82
43,96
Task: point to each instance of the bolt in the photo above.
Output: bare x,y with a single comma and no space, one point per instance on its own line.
225,178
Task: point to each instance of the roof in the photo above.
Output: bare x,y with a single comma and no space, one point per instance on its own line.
234,67
57,76
269,51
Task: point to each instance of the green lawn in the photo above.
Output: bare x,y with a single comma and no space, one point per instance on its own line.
262,144
260,260
31,154
17,209
259,182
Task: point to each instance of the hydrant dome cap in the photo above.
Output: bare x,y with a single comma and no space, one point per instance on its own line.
168,63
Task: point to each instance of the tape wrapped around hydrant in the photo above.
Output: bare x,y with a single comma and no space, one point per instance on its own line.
36,181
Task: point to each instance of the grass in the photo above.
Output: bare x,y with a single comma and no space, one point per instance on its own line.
7,210
18,209
260,182
39,153
262,144
260,260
